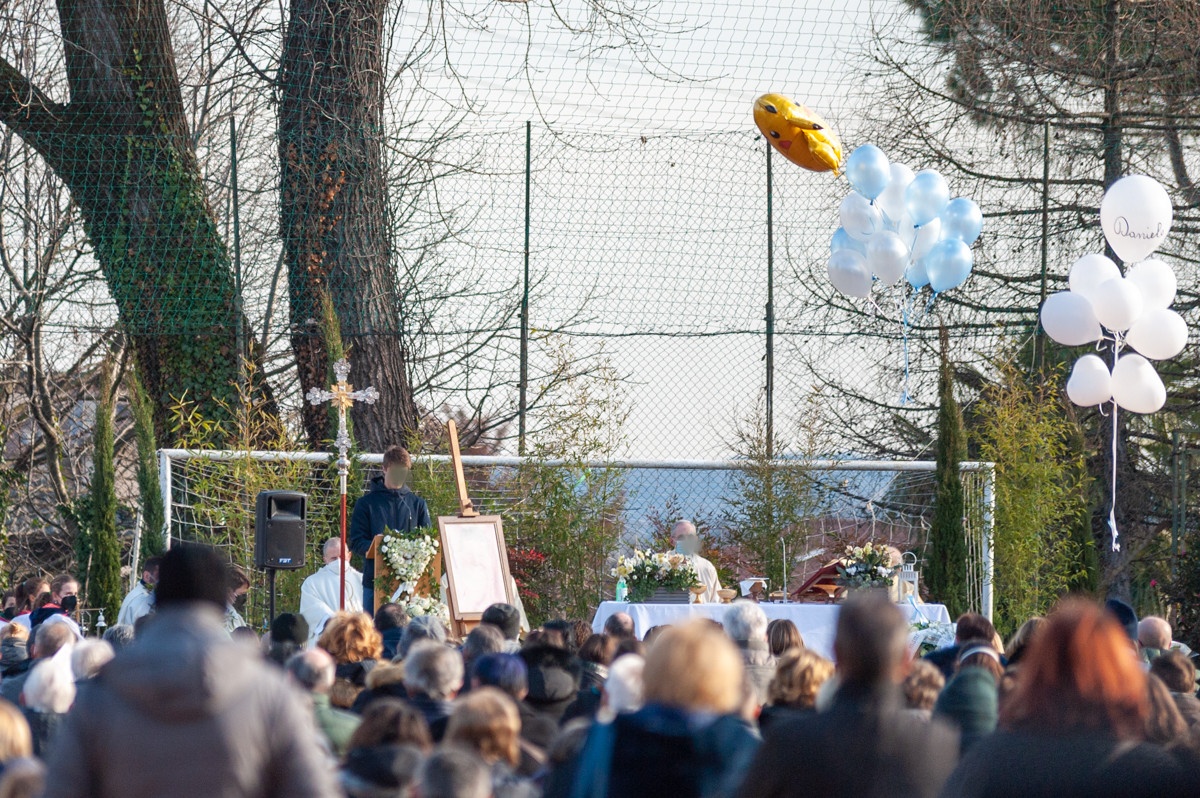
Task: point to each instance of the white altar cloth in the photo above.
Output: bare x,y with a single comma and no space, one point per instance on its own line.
816,622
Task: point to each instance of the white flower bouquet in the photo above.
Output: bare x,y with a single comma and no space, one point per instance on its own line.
865,566
644,572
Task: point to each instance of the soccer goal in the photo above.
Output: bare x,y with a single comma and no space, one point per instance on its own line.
209,496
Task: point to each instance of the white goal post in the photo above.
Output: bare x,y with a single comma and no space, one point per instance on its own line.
979,488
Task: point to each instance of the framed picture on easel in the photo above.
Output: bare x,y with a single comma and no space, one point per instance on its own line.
476,562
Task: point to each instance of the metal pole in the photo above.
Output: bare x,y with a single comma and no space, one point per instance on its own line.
343,468
1039,355
1176,523
986,600
770,389
164,488
239,329
524,383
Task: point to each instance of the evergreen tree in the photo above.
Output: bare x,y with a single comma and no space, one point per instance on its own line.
946,555
153,512
104,571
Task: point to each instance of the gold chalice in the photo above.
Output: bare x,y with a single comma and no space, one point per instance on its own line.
698,592
727,595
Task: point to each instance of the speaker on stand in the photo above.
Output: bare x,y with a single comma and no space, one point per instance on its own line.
280,521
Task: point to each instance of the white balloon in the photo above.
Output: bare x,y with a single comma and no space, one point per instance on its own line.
1135,215
1158,334
849,273
1089,272
1069,319
1090,383
887,256
926,237
860,218
891,201
1118,304
1136,386
1156,280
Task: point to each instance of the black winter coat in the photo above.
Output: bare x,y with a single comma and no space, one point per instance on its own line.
384,508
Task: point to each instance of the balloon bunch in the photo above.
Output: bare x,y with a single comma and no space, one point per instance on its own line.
1132,311
898,224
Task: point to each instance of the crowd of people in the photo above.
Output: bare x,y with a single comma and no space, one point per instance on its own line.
1084,702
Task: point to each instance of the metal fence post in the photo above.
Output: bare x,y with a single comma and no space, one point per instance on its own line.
523,387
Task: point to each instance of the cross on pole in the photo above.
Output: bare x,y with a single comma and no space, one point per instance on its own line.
342,396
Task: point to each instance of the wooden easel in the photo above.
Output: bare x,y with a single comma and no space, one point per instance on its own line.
466,509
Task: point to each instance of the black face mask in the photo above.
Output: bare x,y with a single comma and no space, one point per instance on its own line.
69,603
239,603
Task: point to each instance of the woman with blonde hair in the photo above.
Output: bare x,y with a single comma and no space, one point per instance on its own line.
487,722
688,734
793,690
355,645
16,740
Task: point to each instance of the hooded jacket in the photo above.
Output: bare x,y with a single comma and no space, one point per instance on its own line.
186,711
384,508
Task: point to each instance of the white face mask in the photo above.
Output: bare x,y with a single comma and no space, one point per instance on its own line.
688,545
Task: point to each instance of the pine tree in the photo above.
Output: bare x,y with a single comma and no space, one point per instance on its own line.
946,556
104,574
153,512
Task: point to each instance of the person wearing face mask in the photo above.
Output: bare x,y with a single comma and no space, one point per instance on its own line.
64,598
140,600
239,585
388,504
687,543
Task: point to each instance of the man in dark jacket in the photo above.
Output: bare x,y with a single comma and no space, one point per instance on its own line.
388,504
554,676
186,711
863,745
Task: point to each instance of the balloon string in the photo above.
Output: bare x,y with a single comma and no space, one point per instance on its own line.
1112,507
904,310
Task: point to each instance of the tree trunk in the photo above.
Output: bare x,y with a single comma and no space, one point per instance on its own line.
122,148
334,216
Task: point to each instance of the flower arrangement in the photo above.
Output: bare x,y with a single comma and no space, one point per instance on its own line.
645,572
408,555
865,566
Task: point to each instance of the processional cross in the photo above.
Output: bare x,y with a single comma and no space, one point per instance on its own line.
343,396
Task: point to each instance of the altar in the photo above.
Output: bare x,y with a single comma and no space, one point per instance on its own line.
817,622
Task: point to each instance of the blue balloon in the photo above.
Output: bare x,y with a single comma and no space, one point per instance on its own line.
916,275
926,197
963,220
948,264
842,240
868,171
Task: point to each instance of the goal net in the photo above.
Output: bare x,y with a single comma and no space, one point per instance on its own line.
210,498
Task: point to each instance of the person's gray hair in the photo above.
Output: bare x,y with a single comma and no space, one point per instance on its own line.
423,627
89,656
745,621
119,636
683,527
483,639
314,670
332,548
434,670
454,772
624,687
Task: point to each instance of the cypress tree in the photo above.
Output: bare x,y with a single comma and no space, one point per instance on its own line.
149,488
104,575
946,556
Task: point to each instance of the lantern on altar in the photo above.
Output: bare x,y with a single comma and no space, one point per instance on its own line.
908,579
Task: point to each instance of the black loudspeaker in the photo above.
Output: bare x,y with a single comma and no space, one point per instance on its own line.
279,529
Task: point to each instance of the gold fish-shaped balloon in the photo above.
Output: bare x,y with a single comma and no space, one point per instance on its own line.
800,135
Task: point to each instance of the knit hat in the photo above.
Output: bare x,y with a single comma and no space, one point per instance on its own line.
1124,615
504,616
554,674
289,627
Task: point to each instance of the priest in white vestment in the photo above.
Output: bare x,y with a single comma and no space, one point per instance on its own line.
319,593
687,543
